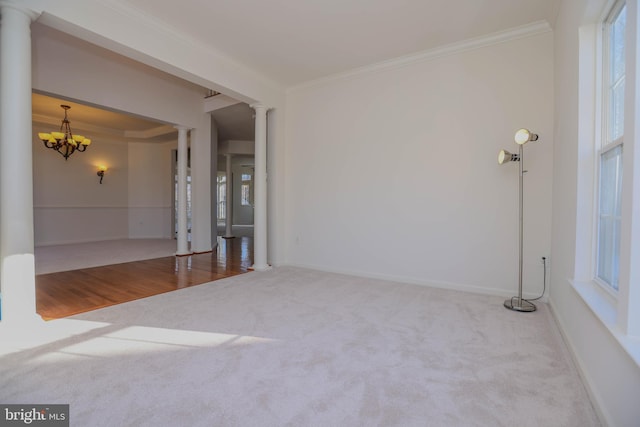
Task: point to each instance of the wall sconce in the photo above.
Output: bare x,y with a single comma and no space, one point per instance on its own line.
522,136
101,171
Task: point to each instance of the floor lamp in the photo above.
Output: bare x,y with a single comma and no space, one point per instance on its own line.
523,136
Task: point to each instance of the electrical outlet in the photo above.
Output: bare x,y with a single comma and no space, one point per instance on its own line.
545,260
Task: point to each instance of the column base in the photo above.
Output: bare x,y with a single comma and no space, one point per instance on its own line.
21,331
184,254
266,267
202,252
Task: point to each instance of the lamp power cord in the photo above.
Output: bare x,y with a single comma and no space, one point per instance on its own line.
544,281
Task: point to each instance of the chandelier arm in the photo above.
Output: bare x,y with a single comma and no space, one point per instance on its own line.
67,152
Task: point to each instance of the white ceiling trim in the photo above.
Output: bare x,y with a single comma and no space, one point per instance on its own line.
75,125
529,30
150,133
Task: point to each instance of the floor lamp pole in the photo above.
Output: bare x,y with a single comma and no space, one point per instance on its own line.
517,303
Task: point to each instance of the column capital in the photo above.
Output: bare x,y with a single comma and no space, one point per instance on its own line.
180,127
33,15
259,106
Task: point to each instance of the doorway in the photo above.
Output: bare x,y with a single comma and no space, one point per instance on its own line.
239,189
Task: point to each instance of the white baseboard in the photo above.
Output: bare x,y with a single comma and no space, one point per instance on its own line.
431,283
72,242
596,401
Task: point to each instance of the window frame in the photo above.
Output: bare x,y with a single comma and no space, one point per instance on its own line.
619,314
604,144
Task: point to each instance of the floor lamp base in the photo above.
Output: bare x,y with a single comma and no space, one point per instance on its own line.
519,304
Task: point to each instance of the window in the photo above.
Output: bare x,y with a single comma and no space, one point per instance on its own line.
245,190
611,148
222,195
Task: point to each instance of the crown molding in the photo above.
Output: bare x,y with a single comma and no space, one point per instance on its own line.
529,30
77,125
150,133
116,135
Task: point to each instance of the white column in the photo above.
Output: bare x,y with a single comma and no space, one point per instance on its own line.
17,267
213,163
200,168
260,195
228,208
183,153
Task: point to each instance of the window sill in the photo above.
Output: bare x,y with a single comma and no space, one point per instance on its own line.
605,309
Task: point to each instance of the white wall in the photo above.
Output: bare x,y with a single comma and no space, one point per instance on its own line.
613,378
70,67
393,173
149,190
69,203
133,201
236,147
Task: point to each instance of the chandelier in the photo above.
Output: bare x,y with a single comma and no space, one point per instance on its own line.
64,142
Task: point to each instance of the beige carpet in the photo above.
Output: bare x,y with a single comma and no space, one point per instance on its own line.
296,347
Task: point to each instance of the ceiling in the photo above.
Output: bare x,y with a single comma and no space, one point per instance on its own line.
292,42
235,122
296,41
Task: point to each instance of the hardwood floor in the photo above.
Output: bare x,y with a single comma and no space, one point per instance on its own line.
71,292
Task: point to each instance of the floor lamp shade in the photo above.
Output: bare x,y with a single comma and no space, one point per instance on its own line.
504,157
524,135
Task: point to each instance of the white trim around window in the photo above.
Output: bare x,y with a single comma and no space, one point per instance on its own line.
619,311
